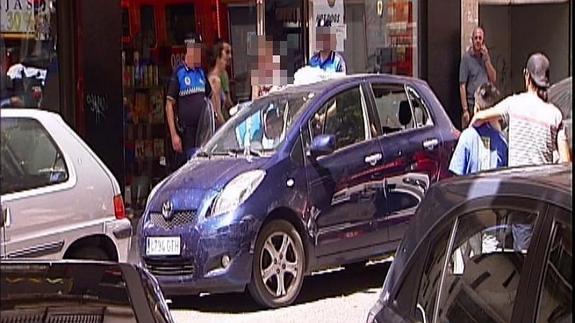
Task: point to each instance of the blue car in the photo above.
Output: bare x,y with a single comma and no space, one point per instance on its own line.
306,178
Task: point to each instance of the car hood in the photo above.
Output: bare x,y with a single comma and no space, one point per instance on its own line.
190,183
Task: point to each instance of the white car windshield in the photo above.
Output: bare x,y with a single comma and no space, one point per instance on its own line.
260,127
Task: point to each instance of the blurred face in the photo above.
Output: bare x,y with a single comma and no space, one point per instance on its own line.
324,38
478,39
193,56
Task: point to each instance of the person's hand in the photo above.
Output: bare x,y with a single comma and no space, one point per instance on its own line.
465,119
485,54
177,143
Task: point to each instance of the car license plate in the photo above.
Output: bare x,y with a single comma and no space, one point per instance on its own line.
163,246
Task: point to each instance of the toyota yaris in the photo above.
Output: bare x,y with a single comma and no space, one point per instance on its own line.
306,178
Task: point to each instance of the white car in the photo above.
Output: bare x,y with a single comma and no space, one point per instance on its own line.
59,200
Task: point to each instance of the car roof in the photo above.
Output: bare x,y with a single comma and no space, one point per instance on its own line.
550,183
27,112
338,80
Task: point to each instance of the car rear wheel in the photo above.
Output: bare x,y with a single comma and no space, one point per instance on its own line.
278,266
92,253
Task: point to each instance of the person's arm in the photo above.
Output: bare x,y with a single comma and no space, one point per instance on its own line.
563,145
176,140
463,97
170,115
463,75
499,111
491,73
216,85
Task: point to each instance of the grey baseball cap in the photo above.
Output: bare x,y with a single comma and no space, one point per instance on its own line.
538,69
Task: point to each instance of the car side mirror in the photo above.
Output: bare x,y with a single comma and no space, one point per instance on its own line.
322,145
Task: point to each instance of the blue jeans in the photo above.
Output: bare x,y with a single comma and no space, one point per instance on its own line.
190,152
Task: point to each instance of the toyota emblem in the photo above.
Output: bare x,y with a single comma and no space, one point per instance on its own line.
167,210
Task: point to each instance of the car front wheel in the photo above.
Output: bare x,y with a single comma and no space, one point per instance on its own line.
278,267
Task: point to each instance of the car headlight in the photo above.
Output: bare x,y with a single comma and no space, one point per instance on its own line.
237,191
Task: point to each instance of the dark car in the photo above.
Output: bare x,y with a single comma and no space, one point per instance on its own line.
305,178
79,291
494,247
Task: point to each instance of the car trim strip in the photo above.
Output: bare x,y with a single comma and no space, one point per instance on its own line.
38,251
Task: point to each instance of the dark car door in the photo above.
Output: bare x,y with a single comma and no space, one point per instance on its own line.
549,295
410,143
344,186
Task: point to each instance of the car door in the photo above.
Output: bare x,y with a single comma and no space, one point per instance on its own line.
549,295
410,145
344,188
33,176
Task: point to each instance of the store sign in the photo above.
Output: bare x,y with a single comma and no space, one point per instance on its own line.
332,10
24,16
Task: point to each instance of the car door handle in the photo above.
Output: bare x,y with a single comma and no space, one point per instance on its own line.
430,143
373,159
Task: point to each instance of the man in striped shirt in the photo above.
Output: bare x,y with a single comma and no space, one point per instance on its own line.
535,126
535,131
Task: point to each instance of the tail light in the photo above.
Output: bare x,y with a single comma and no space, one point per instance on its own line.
119,210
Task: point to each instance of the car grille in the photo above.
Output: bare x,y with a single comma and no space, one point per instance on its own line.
179,218
60,316
175,267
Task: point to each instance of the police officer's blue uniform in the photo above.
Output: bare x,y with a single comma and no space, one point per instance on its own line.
333,63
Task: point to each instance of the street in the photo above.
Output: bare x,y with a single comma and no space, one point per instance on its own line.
335,296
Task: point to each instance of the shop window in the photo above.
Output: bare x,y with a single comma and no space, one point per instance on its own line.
374,36
29,64
180,20
148,22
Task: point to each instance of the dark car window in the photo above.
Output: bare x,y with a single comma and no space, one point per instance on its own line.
555,303
485,266
421,112
430,279
30,158
342,116
392,107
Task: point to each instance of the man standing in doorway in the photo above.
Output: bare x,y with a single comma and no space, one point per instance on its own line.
475,69
326,58
187,99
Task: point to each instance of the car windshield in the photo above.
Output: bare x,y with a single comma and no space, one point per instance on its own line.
260,127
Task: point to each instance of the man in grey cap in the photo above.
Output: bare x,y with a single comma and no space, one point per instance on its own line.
535,131
535,126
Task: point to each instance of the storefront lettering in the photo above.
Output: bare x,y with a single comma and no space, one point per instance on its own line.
333,17
16,17
97,105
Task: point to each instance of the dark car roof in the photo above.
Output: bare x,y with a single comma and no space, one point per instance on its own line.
331,83
549,183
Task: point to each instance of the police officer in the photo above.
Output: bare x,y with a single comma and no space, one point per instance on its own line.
326,58
188,92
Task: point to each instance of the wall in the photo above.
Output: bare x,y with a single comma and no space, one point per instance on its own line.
543,28
99,65
496,21
515,32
